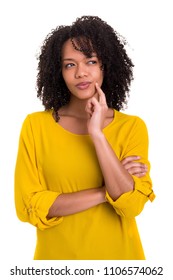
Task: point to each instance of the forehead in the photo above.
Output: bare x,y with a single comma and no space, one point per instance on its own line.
68,48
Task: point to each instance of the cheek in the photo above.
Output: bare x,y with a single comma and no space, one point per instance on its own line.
66,77
100,78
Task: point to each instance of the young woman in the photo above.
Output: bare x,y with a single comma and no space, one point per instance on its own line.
82,170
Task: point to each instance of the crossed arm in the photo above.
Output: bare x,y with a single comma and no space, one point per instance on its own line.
117,175
71,203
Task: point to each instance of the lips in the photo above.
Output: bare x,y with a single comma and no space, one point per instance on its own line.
83,85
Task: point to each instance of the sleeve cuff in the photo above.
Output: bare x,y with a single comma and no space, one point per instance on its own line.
40,204
131,203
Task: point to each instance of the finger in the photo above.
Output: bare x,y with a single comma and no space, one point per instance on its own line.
137,170
89,110
130,159
102,98
140,175
139,165
92,103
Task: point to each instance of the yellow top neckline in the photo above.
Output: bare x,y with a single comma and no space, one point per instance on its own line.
84,135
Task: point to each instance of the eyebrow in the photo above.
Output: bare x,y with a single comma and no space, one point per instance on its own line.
64,59
72,59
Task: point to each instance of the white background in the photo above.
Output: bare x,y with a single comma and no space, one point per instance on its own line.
147,26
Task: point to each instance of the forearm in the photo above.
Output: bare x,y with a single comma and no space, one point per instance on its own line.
117,179
71,203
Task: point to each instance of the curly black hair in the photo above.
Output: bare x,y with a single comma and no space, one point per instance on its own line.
92,34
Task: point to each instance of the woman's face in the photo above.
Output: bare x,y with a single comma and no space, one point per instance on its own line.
80,73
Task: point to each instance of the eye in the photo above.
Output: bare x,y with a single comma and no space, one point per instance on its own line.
93,61
69,65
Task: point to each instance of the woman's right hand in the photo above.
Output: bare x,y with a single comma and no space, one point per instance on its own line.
134,167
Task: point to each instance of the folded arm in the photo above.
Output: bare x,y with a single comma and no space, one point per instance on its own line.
126,190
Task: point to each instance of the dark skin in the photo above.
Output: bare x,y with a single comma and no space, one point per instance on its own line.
88,113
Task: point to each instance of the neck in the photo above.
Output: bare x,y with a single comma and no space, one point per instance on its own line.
76,107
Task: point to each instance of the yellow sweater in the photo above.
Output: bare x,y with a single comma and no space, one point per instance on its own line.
51,161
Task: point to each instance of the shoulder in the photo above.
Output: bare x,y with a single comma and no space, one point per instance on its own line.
36,121
133,127
131,120
38,117
129,124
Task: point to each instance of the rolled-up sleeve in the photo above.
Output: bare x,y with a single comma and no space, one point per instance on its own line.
130,204
32,199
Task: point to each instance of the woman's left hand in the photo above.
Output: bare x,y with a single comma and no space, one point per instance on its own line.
97,109
134,167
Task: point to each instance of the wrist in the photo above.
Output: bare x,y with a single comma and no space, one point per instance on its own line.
101,192
104,194
97,135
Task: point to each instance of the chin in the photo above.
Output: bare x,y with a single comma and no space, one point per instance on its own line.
85,95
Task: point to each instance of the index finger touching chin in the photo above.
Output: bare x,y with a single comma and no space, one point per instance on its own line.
102,98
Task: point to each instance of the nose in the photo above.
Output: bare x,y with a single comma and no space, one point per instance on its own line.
81,71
